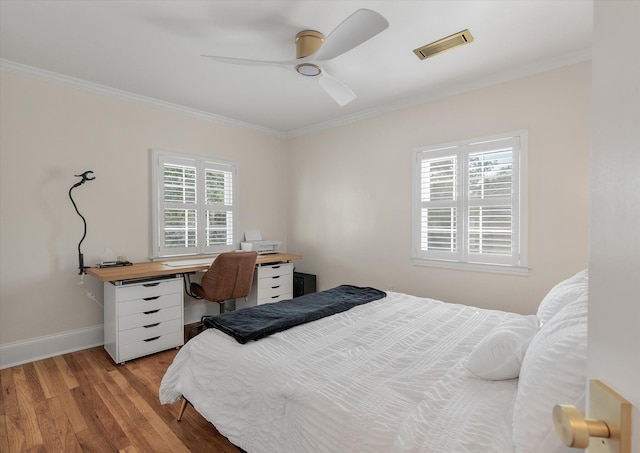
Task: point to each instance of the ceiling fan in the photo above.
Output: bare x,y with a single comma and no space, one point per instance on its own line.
313,50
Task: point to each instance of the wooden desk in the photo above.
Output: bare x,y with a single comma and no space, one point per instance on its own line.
144,302
159,268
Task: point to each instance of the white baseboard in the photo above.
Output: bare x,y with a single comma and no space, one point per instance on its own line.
19,352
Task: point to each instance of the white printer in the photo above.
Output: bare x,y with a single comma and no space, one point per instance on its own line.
254,242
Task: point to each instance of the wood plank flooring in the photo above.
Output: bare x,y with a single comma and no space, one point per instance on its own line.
83,402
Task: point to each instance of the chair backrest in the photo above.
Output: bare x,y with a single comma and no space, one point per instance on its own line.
229,277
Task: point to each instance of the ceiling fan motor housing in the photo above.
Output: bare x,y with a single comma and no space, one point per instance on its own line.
308,42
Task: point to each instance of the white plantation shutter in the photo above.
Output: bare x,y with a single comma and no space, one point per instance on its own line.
468,203
219,206
493,200
439,206
194,205
179,207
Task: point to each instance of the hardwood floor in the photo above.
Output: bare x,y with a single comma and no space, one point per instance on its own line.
83,402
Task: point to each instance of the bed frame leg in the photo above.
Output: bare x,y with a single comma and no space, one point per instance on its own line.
183,407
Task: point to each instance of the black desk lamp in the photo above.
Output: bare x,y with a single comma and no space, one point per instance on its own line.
85,177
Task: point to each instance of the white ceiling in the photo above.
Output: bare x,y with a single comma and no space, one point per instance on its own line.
152,50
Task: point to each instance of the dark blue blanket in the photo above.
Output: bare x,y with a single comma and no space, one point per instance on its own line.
261,321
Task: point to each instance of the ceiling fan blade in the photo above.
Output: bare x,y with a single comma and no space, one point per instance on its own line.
361,26
340,93
242,61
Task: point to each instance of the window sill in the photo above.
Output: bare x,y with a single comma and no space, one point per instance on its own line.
182,255
522,271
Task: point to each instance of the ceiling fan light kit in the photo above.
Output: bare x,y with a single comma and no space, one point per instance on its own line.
442,45
308,69
313,50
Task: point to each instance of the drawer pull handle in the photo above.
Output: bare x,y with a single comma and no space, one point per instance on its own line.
151,298
275,267
274,297
147,285
151,325
151,311
275,287
276,276
152,339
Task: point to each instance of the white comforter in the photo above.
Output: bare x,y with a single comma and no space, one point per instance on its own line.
387,376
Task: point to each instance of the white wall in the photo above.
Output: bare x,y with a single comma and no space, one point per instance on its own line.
341,197
351,191
49,133
614,269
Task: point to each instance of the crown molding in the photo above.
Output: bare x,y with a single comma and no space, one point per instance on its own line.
60,79
102,90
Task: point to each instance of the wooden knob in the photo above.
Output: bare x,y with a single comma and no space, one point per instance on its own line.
573,429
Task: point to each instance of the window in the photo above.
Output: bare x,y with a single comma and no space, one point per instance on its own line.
470,204
194,205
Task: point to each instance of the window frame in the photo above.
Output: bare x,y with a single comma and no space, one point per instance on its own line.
158,160
517,262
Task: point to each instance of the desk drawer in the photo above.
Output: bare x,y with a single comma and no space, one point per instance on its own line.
130,307
267,292
148,333
149,318
275,270
140,348
151,289
275,298
277,281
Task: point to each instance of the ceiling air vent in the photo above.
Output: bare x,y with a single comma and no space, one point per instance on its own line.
444,44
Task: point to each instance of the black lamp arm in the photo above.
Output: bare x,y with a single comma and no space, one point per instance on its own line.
85,177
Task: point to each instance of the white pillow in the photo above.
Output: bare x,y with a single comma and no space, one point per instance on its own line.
499,355
562,294
553,372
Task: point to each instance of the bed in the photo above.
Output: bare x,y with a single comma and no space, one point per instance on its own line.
397,374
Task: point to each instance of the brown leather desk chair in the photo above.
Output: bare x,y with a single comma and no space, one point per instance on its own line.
229,277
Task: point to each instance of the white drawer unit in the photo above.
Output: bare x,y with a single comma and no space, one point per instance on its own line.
143,317
272,283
